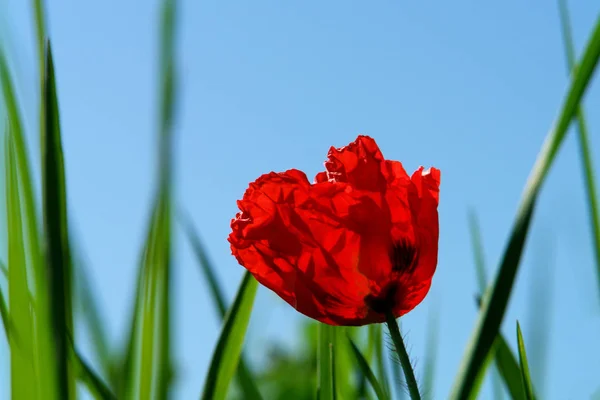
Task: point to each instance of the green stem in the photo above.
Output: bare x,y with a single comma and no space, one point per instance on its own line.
409,374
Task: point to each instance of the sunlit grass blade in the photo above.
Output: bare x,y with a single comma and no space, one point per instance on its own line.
407,368
494,306
526,378
367,372
21,355
150,369
57,233
27,242
91,316
344,365
326,389
376,338
430,354
207,268
231,340
584,141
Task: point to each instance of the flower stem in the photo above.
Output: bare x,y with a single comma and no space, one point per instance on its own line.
409,374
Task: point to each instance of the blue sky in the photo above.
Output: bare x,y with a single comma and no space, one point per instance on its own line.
468,87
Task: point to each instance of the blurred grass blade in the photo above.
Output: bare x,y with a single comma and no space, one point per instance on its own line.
524,366
26,241
477,251
326,363
231,340
57,233
4,315
92,382
584,142
376,336
430,354
494,306
343,363
91,316
247,382
150,370
18,292
366,370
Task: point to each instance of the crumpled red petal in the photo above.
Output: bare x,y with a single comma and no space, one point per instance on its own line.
325,248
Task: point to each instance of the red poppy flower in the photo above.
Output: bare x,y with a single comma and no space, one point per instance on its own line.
361,240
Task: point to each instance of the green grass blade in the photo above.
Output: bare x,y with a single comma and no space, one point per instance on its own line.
526,378
4,315
244,376
367,372
150,371
477,251
90,379
376,338
430,355
229,346
21,361
584,142
57,233
508,368
91,316
494,306
326,389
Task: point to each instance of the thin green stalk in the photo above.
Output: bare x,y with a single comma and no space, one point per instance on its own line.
409,374
584,141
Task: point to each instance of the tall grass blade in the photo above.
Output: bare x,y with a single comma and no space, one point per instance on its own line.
326,388
91,316
367,372
430,355
4,315
527,385
376,338
57,233
21,355
244,376
494,306
584,141
43,357
150,368
91,380
231,340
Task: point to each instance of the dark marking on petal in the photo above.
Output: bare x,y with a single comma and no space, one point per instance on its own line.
384,302
404,256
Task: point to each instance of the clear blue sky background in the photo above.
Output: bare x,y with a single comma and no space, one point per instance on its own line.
269,85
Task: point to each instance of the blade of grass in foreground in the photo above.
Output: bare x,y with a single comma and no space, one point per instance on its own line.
366,370
18,292
150,369
430,354
376,336
524,366
57,233
231,340
247,382
506,364
494,306
326,363
42,345
584,141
